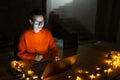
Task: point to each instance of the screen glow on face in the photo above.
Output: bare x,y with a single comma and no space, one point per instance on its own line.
38,22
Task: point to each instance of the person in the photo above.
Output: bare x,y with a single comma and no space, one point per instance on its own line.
36,42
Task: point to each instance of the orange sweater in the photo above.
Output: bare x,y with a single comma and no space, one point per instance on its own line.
31,42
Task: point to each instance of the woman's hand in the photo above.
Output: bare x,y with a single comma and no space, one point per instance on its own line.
38,57
57,58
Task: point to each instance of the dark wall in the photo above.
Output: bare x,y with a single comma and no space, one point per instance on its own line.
3,15
107,19
14,15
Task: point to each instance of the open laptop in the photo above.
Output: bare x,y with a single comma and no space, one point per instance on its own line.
54,68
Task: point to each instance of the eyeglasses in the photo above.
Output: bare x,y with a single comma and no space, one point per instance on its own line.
38,22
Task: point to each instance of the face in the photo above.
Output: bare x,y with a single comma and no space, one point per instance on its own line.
37,23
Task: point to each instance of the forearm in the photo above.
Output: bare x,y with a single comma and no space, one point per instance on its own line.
55,52
26,55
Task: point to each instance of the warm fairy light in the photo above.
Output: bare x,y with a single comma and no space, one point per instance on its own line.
98,75
27,78
19,68
105,71
14,64
92,77
108,61
30,72
80,71
112,52
17,65
86,72
109,70
115,64
118,54
78,78
97,68
41,77
69,76
114,60
35,77
23,76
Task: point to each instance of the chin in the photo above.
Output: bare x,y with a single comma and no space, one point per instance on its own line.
40,29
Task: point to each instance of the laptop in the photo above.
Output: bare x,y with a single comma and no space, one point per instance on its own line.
60,66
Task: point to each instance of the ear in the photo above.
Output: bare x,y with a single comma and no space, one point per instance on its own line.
31,22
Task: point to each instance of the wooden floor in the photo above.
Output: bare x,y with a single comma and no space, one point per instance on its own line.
91,57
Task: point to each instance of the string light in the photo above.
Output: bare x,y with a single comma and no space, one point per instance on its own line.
92,77
35,77
113,62
97,68
98,75
69,76
30,72
79,78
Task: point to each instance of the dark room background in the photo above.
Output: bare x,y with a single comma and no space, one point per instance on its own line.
14,15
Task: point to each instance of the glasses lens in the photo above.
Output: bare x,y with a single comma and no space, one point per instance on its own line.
38,22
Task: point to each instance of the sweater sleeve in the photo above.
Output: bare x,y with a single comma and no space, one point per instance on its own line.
53,46
22,50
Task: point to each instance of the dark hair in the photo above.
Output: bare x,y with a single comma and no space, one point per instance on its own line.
35,12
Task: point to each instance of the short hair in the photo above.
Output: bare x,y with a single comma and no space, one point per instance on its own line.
35,12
